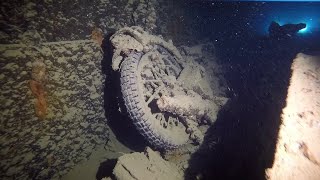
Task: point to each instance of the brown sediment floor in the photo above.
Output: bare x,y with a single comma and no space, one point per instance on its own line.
298,148
89,169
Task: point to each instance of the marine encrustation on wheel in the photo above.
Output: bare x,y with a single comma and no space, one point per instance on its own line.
152,80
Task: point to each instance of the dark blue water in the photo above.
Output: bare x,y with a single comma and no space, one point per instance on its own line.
258,74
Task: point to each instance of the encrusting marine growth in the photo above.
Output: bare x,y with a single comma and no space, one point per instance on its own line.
166,107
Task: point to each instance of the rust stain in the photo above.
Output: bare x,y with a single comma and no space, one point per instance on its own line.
50,159
37,87
41,103
97,36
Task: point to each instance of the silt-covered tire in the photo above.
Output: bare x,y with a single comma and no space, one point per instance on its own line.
139,112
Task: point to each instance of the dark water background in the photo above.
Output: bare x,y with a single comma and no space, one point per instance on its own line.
258,72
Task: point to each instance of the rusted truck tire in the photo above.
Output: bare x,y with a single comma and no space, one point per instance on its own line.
147,119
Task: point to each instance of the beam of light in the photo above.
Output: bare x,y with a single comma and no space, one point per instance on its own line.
304,30
288,13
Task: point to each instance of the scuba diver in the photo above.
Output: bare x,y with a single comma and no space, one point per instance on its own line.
286,31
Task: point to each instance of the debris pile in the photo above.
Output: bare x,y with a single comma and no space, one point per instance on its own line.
145,165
